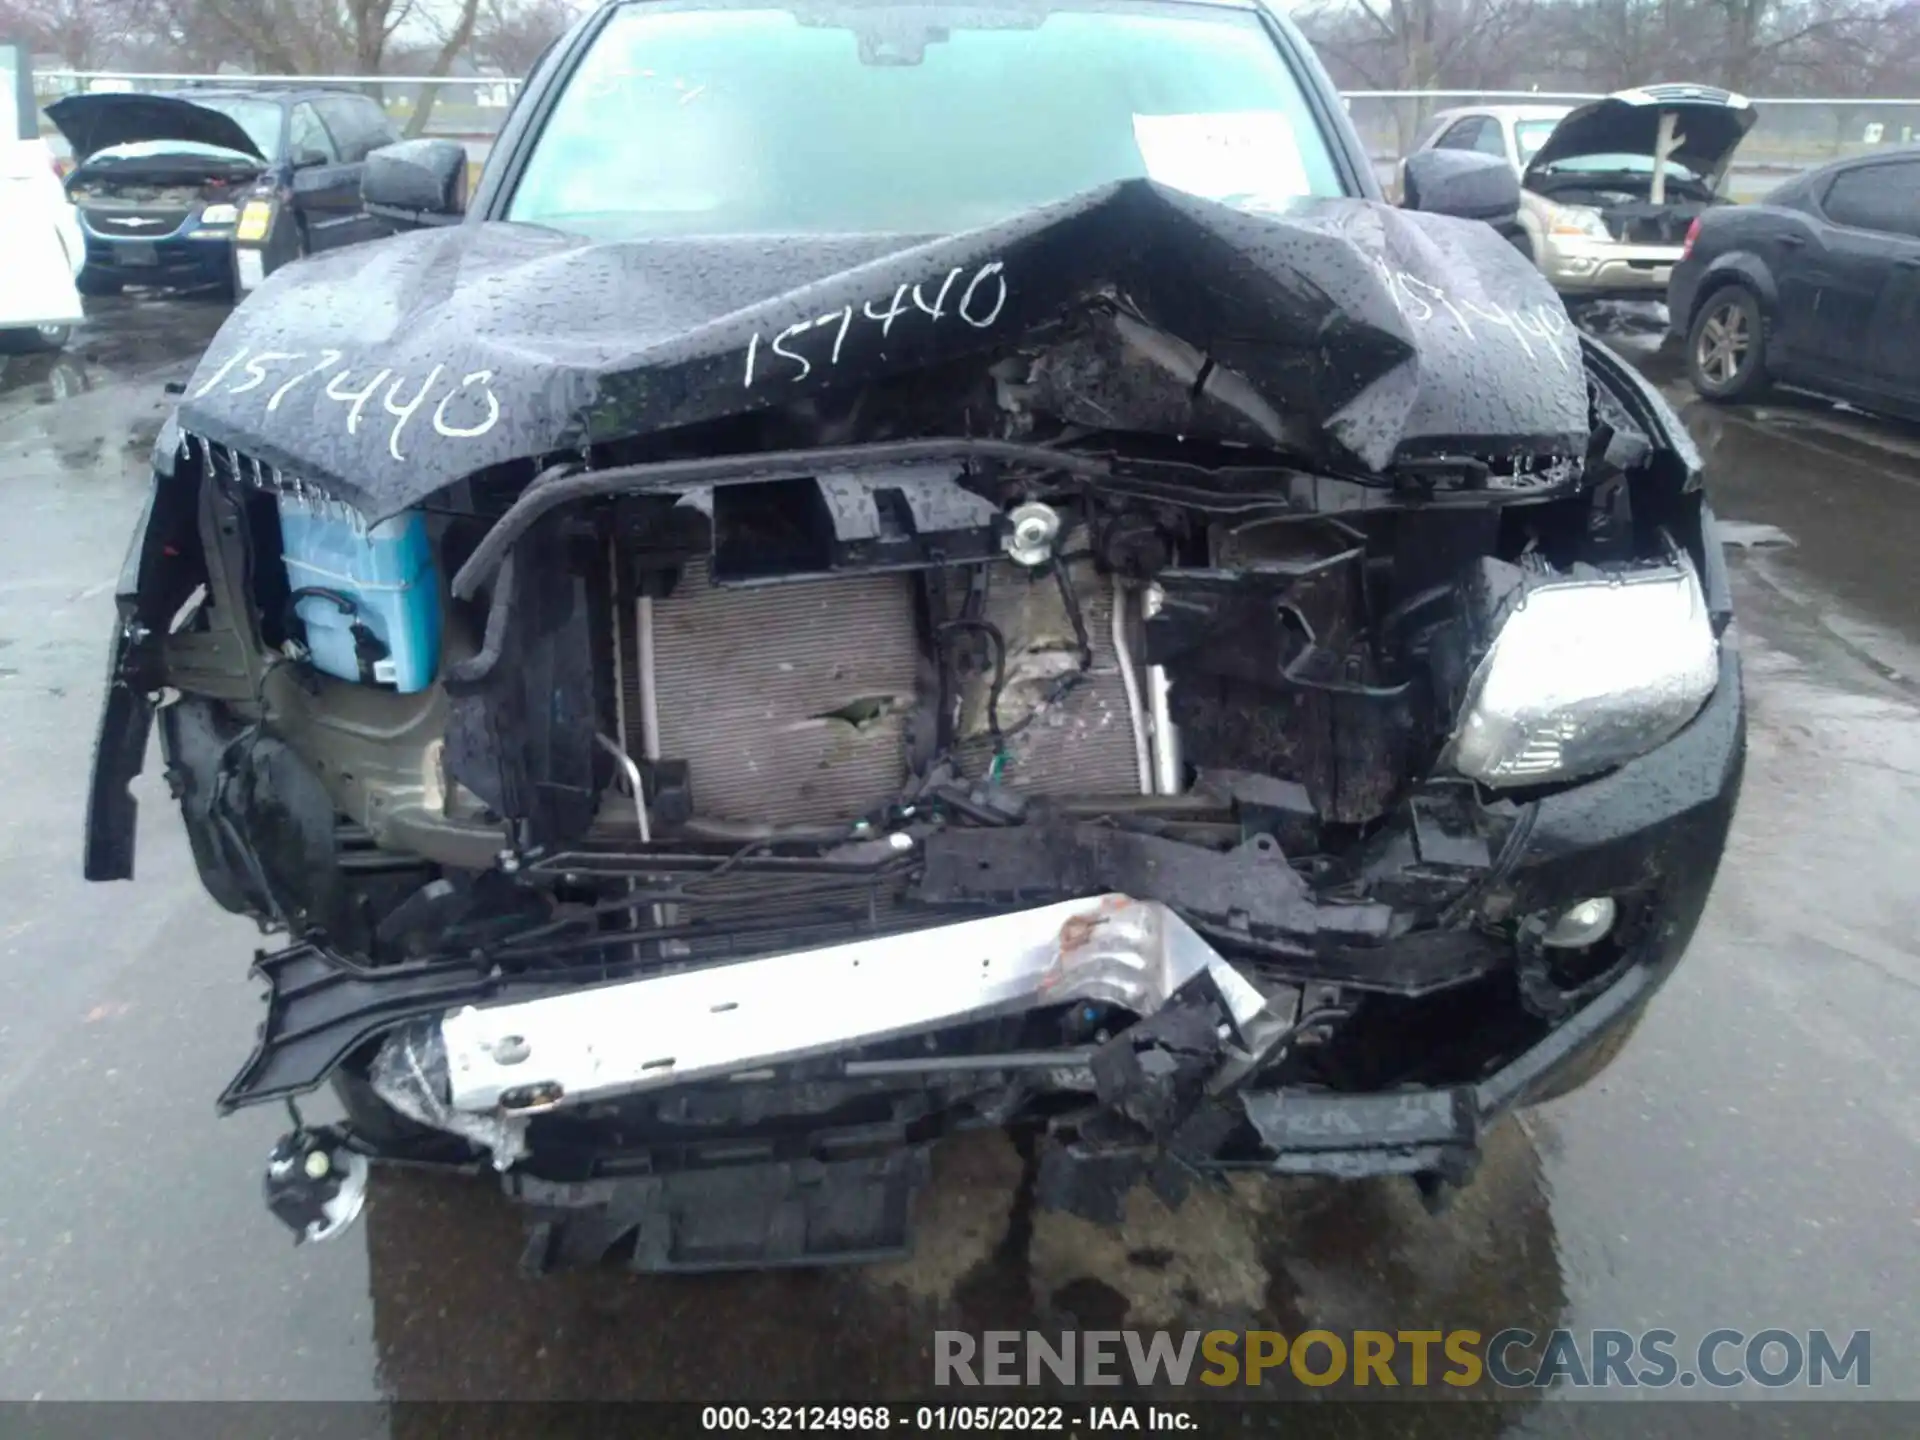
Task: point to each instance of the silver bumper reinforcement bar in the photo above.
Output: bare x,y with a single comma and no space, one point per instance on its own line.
599,1041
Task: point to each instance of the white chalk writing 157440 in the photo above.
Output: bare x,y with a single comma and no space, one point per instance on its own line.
466,408
977,303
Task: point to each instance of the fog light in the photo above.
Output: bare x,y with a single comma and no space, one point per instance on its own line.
1582,924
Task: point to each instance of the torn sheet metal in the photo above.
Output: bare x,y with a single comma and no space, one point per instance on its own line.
388,371
670,1029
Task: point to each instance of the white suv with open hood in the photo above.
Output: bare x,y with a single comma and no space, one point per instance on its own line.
1610,187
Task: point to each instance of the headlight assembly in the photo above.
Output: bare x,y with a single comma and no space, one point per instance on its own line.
1581,220
255,220
1585,674
220,215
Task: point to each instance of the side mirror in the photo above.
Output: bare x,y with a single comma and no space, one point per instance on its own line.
416,182
1465,183
306,158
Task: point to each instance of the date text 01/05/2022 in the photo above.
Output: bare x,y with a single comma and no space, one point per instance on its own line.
993,1419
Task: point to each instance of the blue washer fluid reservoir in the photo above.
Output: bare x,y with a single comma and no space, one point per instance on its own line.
369,598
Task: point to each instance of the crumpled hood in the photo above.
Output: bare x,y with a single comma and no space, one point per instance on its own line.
92,123
1711,122
384,373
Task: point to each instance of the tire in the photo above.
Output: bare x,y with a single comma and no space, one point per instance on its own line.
1588,1066
302,248
1726,345
91,284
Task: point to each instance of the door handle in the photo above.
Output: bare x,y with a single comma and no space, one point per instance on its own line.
1793,242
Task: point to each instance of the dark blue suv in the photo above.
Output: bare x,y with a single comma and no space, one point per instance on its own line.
165,183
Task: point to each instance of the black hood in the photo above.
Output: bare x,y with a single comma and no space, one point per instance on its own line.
1355,334
92,123
1711,122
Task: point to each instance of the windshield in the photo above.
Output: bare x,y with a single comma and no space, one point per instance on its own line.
259,118
1530,135
915,120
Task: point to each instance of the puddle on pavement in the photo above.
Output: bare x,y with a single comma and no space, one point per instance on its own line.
120,335
452,1317
1847,505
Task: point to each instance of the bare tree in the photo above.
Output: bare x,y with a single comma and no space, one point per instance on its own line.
1756,46
511,35
85,34
1619,43
1761,39
319,37
455,38
1778,47
1420,45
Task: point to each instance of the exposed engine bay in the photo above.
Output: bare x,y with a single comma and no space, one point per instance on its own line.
1050,735
1625,204
1649,161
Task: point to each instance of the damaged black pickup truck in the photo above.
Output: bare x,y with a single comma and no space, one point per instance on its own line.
901,569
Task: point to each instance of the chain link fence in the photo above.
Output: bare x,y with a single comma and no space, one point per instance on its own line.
1790,135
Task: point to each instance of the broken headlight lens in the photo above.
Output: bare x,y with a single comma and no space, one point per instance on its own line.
1586,674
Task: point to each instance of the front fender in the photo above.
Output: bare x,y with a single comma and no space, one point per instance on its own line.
1741,265
1536,234
161,568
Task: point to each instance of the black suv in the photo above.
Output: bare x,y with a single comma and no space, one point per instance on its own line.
803,620
168,186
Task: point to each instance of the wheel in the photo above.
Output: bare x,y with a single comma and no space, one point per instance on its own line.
1588,1066
91,284
1726,345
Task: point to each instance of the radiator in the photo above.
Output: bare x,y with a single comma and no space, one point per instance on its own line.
788,701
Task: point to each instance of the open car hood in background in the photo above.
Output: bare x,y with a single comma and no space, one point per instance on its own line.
1354,334
1711,122
92,123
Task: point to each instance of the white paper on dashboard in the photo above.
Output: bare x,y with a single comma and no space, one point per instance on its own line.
1248,156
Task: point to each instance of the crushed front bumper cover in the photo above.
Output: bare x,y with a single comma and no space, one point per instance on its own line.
581,1044
850,1201
1176,1096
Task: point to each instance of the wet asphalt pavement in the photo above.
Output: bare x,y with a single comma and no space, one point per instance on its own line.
1750,1161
